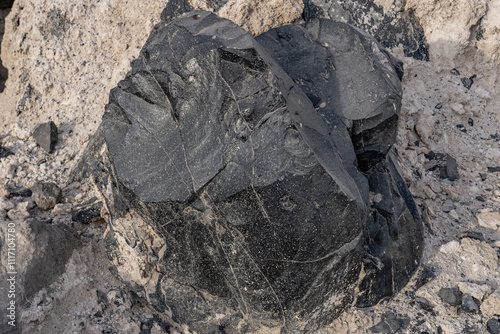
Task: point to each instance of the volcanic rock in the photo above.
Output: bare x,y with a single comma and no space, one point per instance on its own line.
452,296
238,184
46,136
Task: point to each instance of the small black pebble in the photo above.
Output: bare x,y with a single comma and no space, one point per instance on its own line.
493,169
454,71
467,82
481,198
417,143
470,121
469,305
483,176
462,128
438,106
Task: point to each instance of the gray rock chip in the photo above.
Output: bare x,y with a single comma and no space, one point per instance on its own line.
46,195
469,305
452,296
447,206
493,326
45,135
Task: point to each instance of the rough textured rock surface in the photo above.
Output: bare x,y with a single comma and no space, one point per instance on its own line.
46,195
386,20
41,253
45,135
248,188
70,77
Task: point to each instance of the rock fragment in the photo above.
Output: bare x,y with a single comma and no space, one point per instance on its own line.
19,192
452,296
494,169
489,219
493,326
390,324
469,305
477,291
448,205
5,152
46,195
87,212
45,135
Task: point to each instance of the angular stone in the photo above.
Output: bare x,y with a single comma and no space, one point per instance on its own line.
448,205
452,296
489,219
233,193
46,195
390,324
19,192
45,135
391,26
469,305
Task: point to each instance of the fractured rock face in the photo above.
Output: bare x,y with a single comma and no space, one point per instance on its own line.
233,180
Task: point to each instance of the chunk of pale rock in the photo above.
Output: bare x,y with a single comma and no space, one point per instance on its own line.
21,211
451,247
491,305
477,291
62,209
489,219
46,195
255,195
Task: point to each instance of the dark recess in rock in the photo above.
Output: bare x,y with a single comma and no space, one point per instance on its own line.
452,296
45,135
87,212
493,326
46,195
392,28
5,152
19,192
6,4
255,170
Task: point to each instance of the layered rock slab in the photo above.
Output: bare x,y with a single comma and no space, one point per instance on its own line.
234,203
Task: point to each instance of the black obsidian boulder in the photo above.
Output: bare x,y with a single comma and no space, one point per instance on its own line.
233,183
